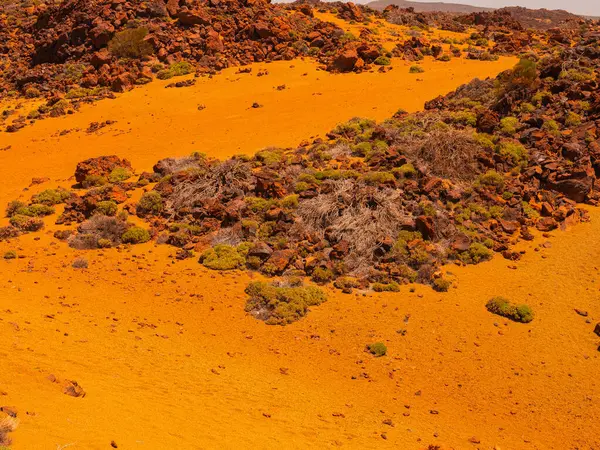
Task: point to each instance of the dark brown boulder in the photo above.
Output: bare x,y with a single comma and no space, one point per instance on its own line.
260,250
345,61
426,227
102,34
487,121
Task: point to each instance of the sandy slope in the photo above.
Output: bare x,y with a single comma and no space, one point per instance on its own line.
154,122
169,359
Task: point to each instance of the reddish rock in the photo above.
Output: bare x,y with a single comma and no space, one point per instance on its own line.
100,58
508,226
73,389
546,224
279,261
426,227
461,243
345,61
197,16
101,166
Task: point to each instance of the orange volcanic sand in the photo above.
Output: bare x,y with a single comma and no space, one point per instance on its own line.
169,359
154,122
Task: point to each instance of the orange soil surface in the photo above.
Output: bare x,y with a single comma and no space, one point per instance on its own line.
169,359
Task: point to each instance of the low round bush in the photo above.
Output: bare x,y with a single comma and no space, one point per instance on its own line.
377,349
383,61
135,235
11,254
106,208
503,307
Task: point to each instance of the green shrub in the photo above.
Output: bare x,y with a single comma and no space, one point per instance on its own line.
530,211
551,127
578,74
378,177
362,149
400,247
444,58
175,70
386,287
301,186
35,210
441,284
504,308
130,43
135,235
541,97
515,152
322,275
26,223
383,61
93,181
51,197
346,284
527,108
13,207
119,174
416,69
106,208
523,75
150,203
224,257
258,204
290,201
509,125
377,349
490,178
11,254
270,157
406,170
464,118
485,140
572,119
281,305
476,253
104,243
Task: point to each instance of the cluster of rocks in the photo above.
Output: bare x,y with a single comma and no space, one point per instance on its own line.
57,48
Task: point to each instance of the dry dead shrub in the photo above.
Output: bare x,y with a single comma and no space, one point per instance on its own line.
8,424
231,178
80,263
98,228
169,166
448,154
130,43
482,91
359,214
229,236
